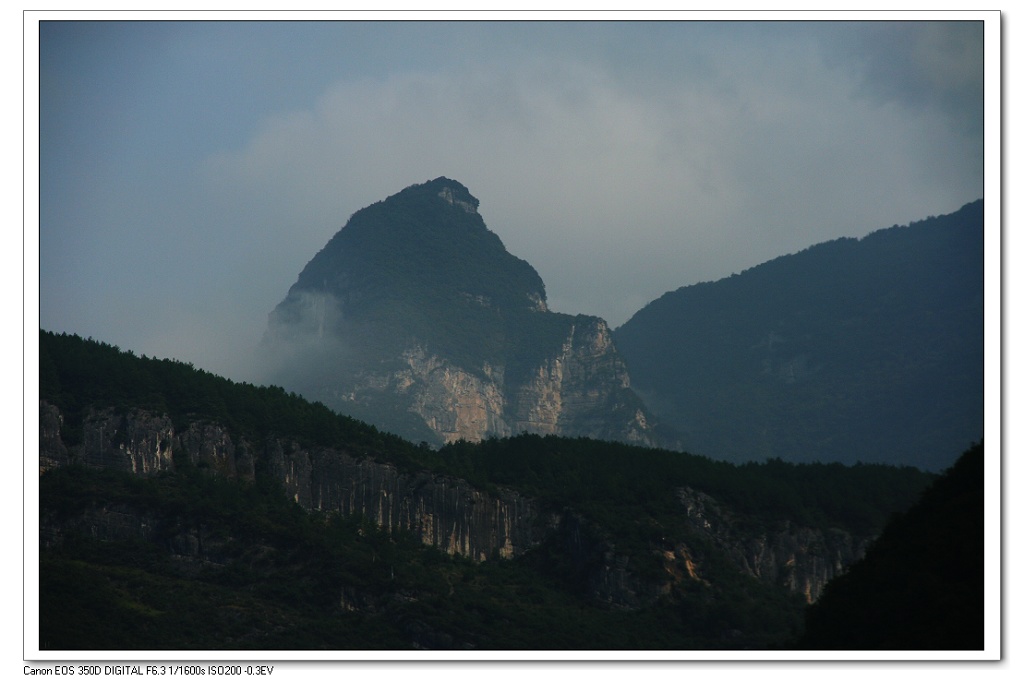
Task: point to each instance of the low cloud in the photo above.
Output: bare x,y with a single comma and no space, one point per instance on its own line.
301,345
613,195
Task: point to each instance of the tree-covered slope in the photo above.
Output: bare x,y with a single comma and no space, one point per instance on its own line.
80,375
267,575
420,266
852,350
921,585
192,558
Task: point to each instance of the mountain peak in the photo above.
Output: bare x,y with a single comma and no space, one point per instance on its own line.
452,191
414,316
427,240
421,254
448,195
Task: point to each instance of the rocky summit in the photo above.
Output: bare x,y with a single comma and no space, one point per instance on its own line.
414,317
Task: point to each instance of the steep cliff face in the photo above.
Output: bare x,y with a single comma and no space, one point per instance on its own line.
52,451
452,402
581,389
584,389
415,318
132,441
801,559
441,511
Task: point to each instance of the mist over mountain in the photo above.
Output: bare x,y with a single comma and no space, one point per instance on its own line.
414,317
852,350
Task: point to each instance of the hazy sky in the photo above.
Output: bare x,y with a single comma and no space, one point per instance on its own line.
189,170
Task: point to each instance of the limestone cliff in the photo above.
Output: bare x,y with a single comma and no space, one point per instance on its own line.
581,389
415,318
441,511
800,558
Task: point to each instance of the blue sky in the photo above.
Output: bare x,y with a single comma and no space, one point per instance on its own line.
189,170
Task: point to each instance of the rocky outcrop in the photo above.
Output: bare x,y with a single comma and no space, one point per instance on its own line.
209,445
801,559
443,512
447,194
414,317
454,403
583,389
52,451
133,441
142,443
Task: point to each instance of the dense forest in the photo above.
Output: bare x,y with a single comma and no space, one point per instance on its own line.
921,585
267,573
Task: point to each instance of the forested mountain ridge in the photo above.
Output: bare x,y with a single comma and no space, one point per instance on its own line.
159,481
414,317
852,350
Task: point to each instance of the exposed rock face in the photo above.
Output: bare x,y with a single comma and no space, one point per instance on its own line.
52,452
454,403
134,441
588,388
799,558
210,446
415,318
583,389
442,511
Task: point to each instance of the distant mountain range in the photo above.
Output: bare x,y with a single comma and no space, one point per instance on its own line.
415,318
853,350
